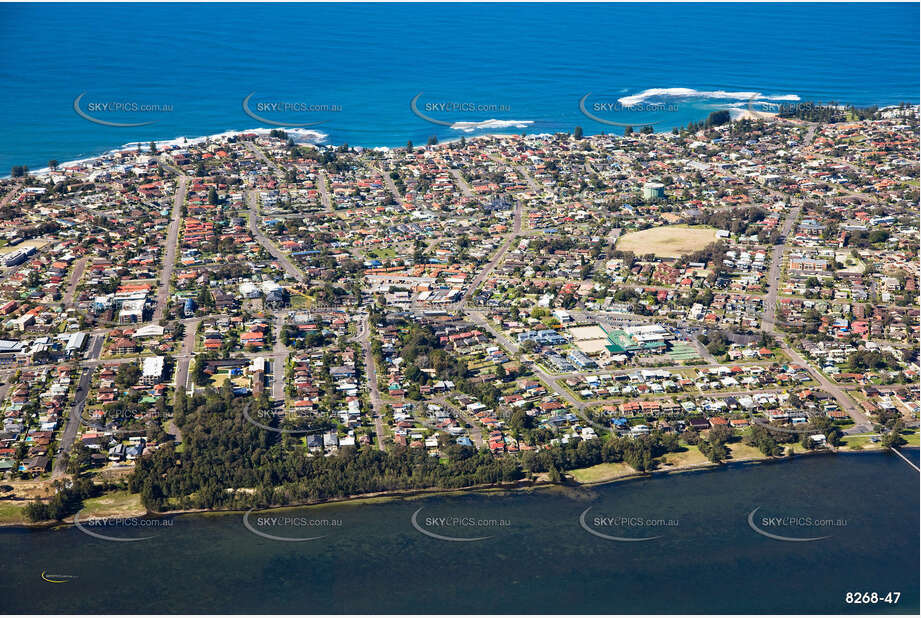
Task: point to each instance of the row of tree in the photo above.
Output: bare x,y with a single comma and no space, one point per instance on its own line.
227,462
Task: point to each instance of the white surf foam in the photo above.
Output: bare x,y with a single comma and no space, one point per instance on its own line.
690,93
469,127
299,135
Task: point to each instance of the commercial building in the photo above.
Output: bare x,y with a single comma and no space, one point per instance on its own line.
152,370
653,191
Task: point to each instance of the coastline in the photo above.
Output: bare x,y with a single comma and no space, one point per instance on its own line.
725,465
307,137
412,494
467,130
315,138
300,135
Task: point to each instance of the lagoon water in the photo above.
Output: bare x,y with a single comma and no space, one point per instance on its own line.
707,558
525,66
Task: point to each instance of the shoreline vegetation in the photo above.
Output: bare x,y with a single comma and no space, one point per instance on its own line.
123,504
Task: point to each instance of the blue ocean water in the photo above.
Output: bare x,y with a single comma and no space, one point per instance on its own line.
525,66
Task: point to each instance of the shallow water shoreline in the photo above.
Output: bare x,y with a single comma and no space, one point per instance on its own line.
492,488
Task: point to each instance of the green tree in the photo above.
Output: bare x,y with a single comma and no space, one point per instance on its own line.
80,457
37,511
893,439
127,375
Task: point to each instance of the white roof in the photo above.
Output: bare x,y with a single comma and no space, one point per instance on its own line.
150,330
153,366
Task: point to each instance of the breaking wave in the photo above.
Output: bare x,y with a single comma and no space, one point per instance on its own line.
469,127
690,93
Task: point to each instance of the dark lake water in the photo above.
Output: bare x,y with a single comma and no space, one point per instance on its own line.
537,558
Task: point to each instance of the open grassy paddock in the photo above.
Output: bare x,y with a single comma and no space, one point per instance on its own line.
667,241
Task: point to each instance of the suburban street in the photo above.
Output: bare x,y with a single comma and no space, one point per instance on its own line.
323,188
861,422
279,172
170,251
476,433
75,418
388,181
184,358
255,229
364,338
768,325
464,187
278,359
773,278
551,381
75,276
497,257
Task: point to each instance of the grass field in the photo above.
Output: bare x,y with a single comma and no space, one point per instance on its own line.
682,351
11,512
743,452
670,241
851,265
862,441
29,489
300,301
114,504
37,243
601,472
689,457
218,379
858,442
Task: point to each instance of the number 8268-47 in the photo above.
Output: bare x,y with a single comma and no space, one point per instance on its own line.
871,598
